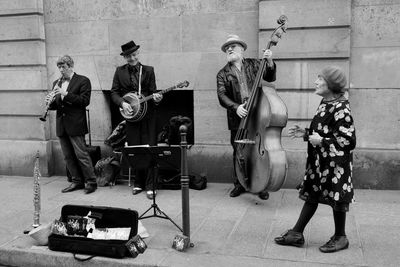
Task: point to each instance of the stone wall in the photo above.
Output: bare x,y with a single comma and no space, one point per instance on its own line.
23,79
363,38
182,40
374,68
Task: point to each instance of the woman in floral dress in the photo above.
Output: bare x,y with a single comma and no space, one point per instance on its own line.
328,178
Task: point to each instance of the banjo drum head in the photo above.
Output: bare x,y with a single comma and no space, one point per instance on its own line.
133,100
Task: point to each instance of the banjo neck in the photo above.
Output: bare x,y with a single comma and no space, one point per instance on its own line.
147,98
139,102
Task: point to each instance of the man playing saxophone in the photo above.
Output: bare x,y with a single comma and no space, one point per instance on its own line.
70,97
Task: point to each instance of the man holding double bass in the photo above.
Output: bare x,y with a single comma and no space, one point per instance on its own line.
234,83
140,79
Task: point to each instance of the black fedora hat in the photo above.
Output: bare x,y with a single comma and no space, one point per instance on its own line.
129,48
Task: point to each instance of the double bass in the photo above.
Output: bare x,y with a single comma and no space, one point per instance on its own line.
260,160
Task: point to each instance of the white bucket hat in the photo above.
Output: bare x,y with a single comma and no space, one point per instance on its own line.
233,39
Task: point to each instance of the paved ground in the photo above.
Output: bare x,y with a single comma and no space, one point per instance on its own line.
225,231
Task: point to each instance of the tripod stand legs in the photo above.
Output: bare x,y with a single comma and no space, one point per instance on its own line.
157,212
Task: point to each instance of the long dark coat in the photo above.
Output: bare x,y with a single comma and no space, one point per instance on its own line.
144,131
328,176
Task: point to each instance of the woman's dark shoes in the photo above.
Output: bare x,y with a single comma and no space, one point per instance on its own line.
136,190
237,191
72,187
90,188
334,244
290,238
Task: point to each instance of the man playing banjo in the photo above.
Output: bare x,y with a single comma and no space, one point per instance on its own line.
139,132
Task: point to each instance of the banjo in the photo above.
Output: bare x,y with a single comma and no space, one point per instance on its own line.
138,102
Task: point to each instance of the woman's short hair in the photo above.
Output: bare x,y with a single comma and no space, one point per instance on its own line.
65,60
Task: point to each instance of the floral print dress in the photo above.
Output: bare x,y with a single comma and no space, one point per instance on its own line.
328,176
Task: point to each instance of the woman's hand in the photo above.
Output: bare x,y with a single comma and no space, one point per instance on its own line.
296,132
315,139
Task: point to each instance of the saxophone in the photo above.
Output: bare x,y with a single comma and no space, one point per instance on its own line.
36,192
51,96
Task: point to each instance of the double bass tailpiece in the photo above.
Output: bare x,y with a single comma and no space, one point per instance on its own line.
245,141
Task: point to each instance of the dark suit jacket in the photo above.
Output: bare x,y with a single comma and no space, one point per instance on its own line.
71,111
228,88
122,83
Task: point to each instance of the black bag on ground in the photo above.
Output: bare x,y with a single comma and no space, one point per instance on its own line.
108,217
171,179
106,170
198,182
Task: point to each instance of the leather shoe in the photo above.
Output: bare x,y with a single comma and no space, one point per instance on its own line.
90,188
72,187
150,194
264,195
237,191
136,190
290,238
334,244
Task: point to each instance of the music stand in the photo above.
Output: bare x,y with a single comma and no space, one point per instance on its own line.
155,157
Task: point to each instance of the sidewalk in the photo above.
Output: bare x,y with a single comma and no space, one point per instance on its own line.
225,231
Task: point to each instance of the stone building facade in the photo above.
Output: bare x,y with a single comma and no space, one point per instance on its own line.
182,39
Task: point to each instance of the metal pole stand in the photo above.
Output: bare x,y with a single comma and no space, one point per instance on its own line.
182,242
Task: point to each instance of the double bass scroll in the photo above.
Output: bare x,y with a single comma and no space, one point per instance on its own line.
260,160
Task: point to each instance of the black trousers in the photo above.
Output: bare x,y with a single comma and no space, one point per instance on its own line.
142,133
234,176
77,159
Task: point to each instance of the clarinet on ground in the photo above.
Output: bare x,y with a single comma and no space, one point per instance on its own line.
36,192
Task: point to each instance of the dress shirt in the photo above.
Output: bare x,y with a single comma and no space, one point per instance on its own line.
64,86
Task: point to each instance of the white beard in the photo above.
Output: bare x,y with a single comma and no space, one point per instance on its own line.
233,57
